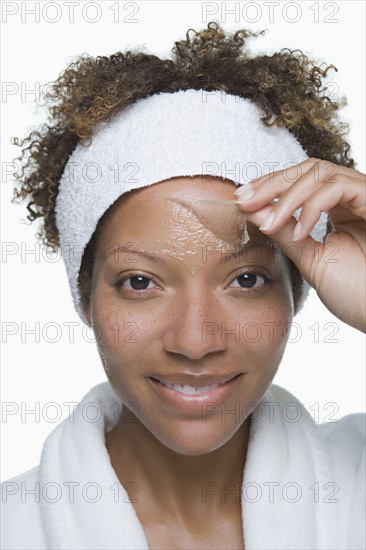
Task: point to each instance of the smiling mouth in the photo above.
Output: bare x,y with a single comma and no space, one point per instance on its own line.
186,399
191,390
186,389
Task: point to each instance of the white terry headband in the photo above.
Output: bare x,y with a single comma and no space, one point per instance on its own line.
186,133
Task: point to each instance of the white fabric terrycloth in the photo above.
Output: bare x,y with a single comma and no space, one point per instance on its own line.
303,483
186,133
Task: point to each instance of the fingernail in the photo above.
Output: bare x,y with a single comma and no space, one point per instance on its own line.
244,193
240,201
268,221
297,231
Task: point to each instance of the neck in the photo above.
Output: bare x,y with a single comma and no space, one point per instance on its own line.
176,484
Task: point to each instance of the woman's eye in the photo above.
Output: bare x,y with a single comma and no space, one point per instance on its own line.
250,280
135,282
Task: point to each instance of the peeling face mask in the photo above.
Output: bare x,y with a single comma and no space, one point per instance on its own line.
198,228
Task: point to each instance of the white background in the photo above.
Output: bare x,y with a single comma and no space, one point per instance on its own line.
324,366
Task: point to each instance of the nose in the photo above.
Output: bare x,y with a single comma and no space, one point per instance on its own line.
193,326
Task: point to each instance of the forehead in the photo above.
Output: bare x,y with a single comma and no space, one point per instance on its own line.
178,205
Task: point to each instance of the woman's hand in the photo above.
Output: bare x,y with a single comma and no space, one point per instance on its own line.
337,267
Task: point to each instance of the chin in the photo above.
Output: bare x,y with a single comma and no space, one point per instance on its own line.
191,442
192,448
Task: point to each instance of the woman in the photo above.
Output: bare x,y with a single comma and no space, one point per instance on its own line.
189,288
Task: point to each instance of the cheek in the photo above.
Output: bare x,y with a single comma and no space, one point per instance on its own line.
271,327
120,326
121,336
123,339
261,326
263,338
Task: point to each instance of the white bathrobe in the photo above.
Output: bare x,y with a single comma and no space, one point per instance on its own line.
303,483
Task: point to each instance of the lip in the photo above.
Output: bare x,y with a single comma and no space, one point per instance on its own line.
195,380
194,403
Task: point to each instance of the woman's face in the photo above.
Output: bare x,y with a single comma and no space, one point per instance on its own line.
170,306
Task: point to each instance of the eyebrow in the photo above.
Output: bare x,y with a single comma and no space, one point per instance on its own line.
267,244
158,259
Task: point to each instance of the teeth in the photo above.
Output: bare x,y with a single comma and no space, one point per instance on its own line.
190,390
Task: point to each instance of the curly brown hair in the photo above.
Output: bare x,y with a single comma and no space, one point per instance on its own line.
287,86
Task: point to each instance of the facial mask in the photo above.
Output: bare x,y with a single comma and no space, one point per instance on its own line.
221,217
202,228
